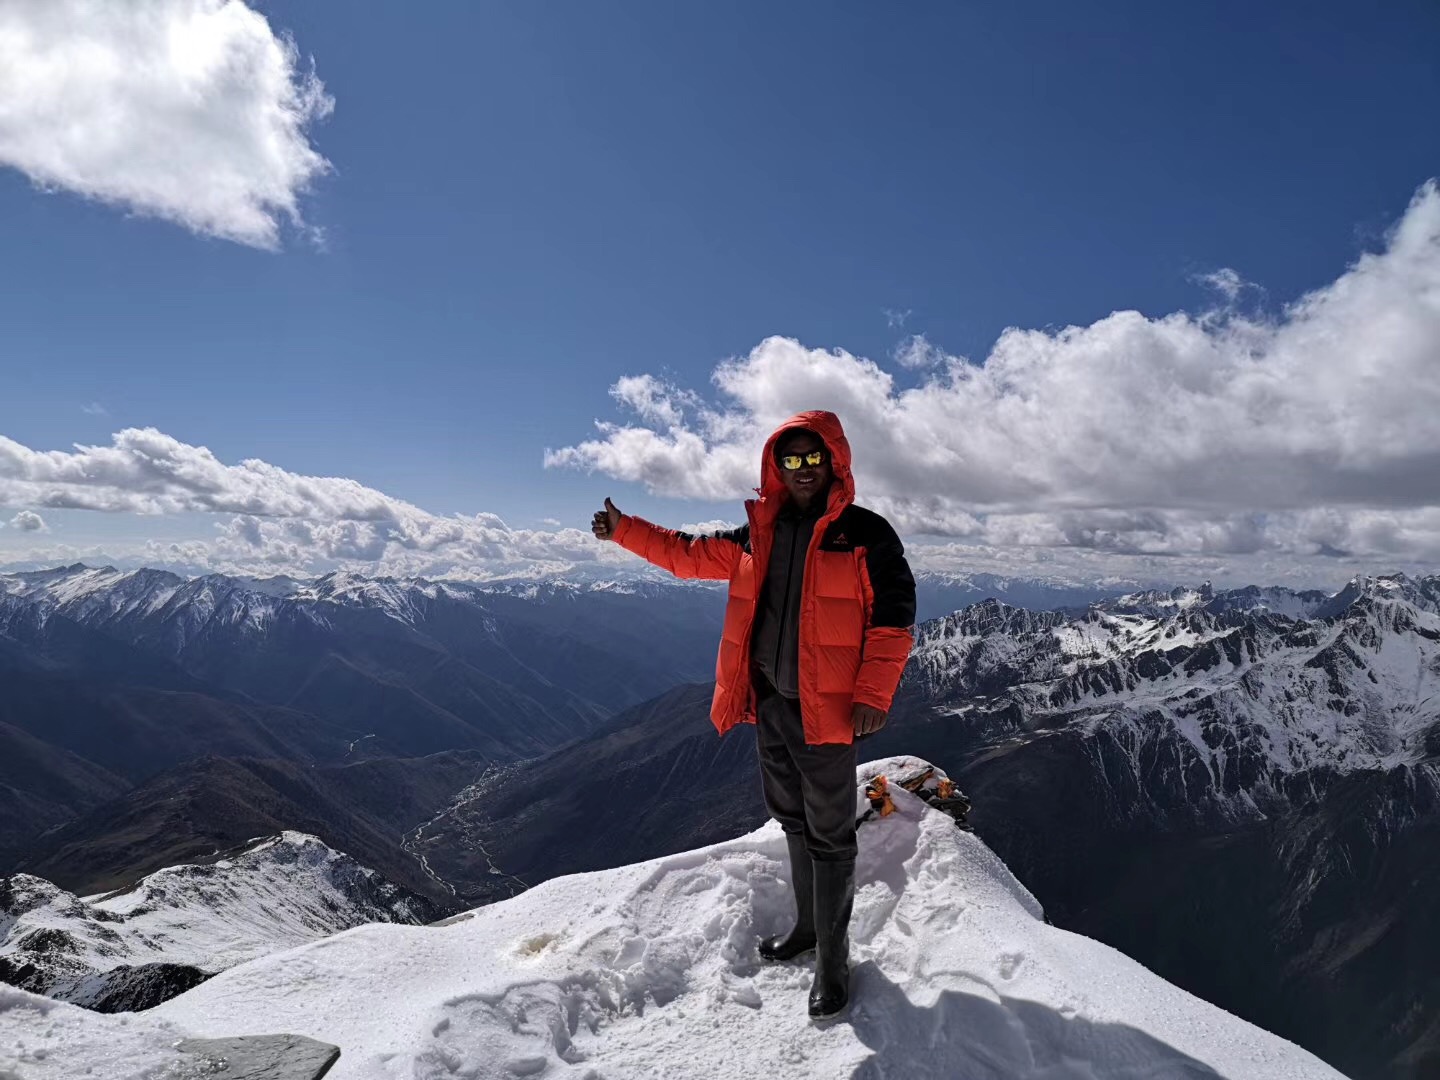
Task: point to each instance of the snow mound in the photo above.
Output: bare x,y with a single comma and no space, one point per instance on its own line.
650,970
44,1038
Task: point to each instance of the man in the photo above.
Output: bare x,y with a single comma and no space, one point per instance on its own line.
818,626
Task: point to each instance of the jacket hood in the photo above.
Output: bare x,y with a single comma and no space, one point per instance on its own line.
827,426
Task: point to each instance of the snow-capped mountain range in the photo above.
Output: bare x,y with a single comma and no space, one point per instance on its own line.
651,970
536,639
1256,684
105,595
135,947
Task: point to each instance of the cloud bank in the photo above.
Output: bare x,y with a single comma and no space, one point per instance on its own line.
1314,432
274,518
195,111
265,520
148,472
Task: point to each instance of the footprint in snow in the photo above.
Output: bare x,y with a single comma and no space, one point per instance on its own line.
700,883
536,945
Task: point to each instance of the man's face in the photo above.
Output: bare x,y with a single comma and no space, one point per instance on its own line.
806,482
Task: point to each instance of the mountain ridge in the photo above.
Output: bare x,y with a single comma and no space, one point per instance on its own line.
132,948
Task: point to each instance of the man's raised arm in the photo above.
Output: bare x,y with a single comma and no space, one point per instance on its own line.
682,554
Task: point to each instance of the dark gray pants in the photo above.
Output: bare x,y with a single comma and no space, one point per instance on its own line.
808,789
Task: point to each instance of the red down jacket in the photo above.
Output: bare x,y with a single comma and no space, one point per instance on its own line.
857,608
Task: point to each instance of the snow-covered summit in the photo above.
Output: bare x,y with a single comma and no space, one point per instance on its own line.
70,584
133,947
1158,601
650,970
1423,593
1252,599
1366,589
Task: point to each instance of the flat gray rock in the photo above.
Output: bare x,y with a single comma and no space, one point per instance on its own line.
260,1057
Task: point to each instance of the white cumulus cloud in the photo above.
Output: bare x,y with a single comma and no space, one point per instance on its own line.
1317,431
702,528
653,399
1225,281
196,111
916,352
28,521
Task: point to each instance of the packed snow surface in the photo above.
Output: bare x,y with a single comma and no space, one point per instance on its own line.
651,971
42,1037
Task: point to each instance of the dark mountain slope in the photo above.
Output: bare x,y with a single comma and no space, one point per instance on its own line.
197,808
42,785
1317,924
657,780
135,731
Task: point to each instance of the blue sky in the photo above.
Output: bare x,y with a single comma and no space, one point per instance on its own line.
529,202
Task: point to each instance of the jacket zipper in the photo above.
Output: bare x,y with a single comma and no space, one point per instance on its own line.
785,607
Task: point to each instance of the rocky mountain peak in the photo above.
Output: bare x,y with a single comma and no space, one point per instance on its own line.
1365,591
137,946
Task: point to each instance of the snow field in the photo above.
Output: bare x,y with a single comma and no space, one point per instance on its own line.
650,971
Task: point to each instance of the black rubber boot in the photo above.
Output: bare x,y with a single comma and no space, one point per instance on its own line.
801,939
834,900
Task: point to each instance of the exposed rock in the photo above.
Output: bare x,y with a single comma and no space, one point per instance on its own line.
261,1057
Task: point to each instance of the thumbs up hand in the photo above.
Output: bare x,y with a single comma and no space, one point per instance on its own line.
605,521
